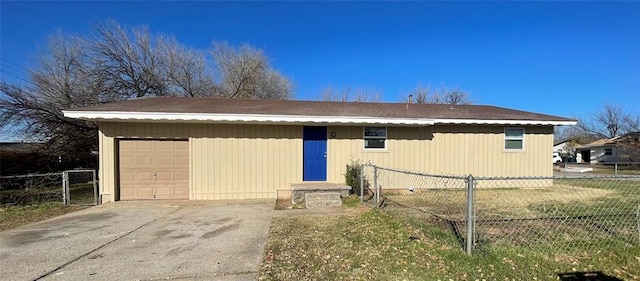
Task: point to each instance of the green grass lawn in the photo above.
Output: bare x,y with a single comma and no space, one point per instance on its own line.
82,193
376,245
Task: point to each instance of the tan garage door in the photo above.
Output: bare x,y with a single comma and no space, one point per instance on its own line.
154,169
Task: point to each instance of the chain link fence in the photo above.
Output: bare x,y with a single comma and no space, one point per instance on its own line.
73,187
546,215
80,187
30,189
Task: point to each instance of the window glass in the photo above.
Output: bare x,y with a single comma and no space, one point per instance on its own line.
513,138
512,133
375,132
513,144
375,137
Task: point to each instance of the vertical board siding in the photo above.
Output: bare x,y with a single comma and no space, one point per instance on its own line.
448,150
226,161
229,161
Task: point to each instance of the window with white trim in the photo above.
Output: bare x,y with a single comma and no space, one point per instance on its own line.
514,139
375,137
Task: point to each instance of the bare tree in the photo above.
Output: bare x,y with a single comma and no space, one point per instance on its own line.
346,94
62,79
244,72
632,122
442,95
186,70
273,85
608,123
130,60
420,94
364,95
333,94
455,96
119,63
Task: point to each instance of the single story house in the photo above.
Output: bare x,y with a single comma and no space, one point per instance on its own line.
624,148
208,149
563,147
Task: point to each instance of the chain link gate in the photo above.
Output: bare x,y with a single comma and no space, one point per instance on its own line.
80,187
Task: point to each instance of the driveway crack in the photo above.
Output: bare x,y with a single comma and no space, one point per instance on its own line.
106,244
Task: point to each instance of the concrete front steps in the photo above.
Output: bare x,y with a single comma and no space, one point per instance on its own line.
319,194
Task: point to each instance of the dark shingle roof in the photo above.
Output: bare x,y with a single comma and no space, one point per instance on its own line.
317,108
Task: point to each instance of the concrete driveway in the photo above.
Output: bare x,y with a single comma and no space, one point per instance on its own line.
183,240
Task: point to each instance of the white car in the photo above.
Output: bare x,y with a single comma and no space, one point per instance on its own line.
556,158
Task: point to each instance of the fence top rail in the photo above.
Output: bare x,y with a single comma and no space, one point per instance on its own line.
555,177
416,173
609,163
612,177
79,171
515,178
31,175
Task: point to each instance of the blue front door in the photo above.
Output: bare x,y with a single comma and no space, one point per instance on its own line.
314,154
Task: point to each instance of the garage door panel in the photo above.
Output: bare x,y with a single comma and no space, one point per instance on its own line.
181,160
126,145
145,192
182,176
127,176
127,161
164,191
166,177
153,169
164,145
128,192
164,161
142,177
182,193
139,145
144,161
181,145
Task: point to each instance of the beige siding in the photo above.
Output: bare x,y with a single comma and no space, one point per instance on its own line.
451,150
254,161
226,161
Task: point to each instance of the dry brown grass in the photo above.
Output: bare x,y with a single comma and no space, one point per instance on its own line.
12,217
513,201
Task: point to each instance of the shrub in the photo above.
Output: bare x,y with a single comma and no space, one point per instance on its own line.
352,177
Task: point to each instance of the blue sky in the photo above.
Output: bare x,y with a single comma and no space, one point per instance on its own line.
561,58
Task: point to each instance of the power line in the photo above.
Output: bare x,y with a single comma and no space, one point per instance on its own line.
16,76
14,67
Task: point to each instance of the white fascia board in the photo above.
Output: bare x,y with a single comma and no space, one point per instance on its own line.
504,122
248,118
119,116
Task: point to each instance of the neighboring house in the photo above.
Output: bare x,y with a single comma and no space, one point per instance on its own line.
563,147
208,149
625,148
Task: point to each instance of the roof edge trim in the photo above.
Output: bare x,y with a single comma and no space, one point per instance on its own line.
505,122
264,118
259,118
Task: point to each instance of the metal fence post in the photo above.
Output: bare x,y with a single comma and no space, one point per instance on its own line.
361,183
375,183
470,215
95,187
638,221
65,188
64,191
